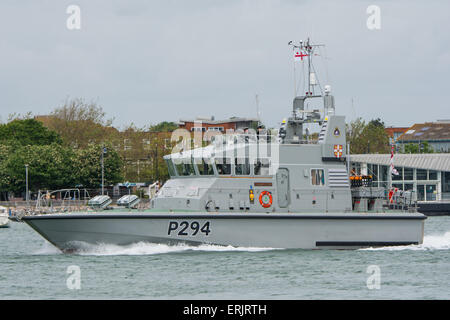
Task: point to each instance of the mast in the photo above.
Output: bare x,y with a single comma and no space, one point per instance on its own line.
306,50
293,130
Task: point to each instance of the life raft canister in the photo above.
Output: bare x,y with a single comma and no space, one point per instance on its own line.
265,199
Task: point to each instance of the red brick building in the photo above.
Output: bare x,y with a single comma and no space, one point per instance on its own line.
210,124
395,132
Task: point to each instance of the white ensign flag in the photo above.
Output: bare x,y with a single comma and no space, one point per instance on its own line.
298,55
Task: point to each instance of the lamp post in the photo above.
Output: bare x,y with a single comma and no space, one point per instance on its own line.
103,169
26,182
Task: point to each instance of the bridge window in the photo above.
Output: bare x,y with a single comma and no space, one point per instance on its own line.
261,167
317,177
184,167
223,166
242,166
204,166
170,168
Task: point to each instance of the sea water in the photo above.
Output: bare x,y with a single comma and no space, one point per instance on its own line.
31,268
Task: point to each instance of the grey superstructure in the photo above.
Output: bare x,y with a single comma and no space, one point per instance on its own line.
255,189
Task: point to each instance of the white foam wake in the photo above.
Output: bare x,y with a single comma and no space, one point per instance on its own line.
144,248
430,242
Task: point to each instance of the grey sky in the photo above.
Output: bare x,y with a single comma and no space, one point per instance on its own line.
149,61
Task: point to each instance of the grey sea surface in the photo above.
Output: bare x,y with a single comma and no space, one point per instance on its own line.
31,268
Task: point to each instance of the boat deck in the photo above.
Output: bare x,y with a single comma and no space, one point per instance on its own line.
191,214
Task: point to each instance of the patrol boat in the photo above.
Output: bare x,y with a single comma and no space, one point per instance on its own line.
256,189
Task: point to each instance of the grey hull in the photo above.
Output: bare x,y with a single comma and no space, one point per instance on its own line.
314,231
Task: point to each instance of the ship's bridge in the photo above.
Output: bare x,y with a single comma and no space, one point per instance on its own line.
221,175
227,155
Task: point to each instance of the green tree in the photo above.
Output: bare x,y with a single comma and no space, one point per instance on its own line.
27,132
89,170
80,123
5,178
163,127
377,123
49,167
159,147
56,166
354,132
422,147
367,138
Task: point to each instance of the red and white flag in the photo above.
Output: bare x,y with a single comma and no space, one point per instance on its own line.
393,170
298,55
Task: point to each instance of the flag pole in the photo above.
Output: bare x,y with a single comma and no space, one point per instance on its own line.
295,76
103,170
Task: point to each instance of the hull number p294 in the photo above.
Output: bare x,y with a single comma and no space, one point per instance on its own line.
184,228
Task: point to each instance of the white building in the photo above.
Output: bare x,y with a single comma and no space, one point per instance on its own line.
428,175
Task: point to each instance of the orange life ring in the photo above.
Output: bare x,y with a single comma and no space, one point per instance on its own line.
265,199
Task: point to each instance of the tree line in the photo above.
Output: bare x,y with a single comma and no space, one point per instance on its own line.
51,164
368,137
63,150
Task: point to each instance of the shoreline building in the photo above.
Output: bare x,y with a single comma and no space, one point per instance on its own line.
427,175
210,124
436,134
394,133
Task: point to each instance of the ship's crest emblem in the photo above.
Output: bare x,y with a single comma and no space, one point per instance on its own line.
336,132
338,150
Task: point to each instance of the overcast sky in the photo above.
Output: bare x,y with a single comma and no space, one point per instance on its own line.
150,61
